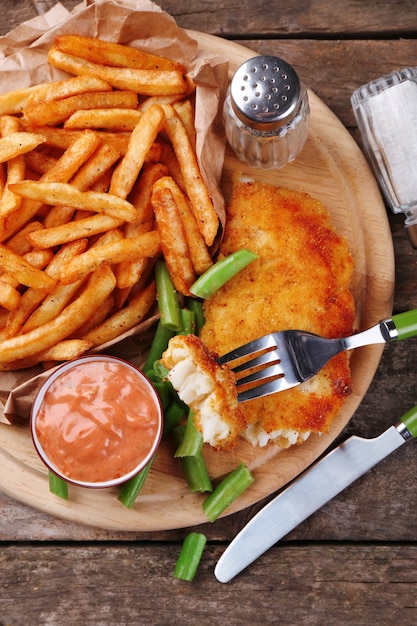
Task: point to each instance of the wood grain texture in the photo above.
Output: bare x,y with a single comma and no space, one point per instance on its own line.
297,584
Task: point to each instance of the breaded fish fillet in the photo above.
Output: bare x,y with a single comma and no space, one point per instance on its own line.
208,388
300,281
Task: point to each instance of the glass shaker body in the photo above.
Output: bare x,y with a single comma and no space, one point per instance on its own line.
386,113
266,113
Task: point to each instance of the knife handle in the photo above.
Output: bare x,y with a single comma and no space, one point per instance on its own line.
409,420
406,324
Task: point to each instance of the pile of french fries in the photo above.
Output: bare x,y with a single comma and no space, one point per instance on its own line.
98,179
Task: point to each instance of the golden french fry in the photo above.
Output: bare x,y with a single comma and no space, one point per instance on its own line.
98,316
71,231
9,296
63,137
33,297
12,102
114,54
64,88
109,119
39,162
57,111
146,82
88,174
77,153
64,350
26,273
19,243
100,285
67,195
125,319
146,245
141,140
199,253
207,219
37,258
129,272
52,305
173,240
185,112
18,143
142,192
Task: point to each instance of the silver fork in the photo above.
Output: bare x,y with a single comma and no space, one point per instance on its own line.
284,359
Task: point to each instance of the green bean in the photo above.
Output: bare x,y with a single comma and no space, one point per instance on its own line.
168,305
222,271
158,346
197,307
194,467
58,486
231,487
192,441
173,414
129,491
188,322
190,556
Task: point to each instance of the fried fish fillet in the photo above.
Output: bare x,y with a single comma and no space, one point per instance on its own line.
208,388
301,281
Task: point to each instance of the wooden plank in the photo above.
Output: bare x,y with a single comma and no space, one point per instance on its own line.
133,584
318,18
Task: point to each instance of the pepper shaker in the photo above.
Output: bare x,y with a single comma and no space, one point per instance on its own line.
266,112
386,113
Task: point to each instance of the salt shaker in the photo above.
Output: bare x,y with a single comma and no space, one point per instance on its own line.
386,113
266,112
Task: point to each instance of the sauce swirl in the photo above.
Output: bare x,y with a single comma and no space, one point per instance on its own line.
98,421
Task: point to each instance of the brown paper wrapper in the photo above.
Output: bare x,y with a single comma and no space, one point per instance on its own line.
141,24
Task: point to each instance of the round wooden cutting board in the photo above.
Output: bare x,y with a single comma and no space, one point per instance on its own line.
331,168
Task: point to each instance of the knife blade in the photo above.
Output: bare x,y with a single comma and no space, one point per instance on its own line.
321,482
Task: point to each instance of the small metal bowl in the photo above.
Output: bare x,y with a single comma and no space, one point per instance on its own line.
85,445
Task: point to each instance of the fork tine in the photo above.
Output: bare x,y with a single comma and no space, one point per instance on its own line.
275,370
271,357
248,349
266,389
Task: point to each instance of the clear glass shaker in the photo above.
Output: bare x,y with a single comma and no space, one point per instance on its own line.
266,112
386,113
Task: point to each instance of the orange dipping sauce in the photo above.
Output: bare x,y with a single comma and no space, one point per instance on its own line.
97,421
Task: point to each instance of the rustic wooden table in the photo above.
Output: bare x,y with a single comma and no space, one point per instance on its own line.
355,560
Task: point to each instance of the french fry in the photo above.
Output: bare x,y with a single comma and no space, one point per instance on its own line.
63,137
185,111
67,195
109,119
37,258
146,245
129,272
33,297
142,138
173,240
113,54
148,82
57,111
53,304
98,316
26,273
77,153
18,143
100,285
199,253
92,171
125,319
198,194
12,102
65,88
19,243
72,231
9,296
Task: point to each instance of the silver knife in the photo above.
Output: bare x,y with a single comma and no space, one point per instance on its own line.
309,492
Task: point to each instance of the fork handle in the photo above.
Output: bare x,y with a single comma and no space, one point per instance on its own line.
406,324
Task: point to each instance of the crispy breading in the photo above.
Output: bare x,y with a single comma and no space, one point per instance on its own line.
208,388
300,281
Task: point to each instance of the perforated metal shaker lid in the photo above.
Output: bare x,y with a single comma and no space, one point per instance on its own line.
265,93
